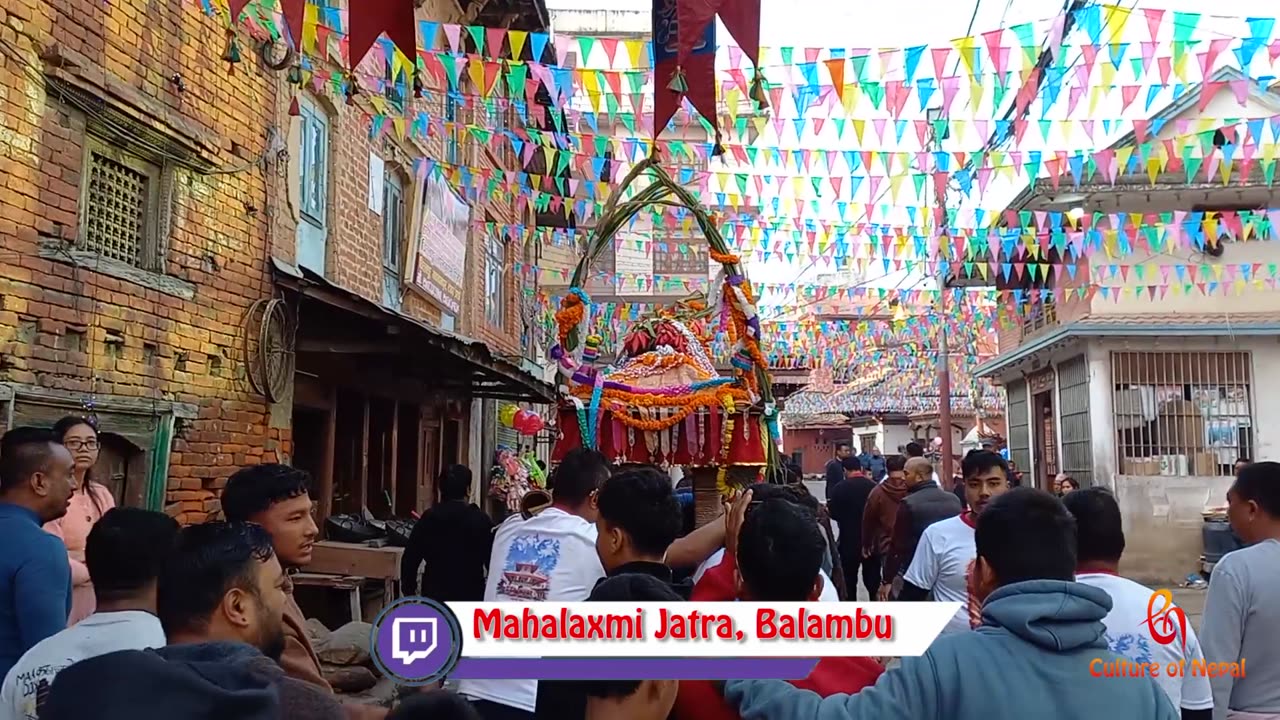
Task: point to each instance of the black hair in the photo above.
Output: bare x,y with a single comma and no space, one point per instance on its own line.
844,446
1243,460
208,561
1099,528
434,705
913,449
60,429
126,550
455,482
780,551
580,473
632,587
1027,534
642,504
793,472
1260,482
255,488
851,464
794,493
976,463
24,451
1071,481
895,463
627,587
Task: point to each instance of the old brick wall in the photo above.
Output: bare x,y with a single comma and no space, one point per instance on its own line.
64,324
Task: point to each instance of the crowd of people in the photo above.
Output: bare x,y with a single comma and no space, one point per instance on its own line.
120,613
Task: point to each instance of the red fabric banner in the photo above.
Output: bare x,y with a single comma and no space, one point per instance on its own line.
294,14
370,18
747,446
692,18
237,8
742,19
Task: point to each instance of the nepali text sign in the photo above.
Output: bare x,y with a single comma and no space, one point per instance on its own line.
442,245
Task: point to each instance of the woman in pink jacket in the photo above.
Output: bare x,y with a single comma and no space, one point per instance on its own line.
88,503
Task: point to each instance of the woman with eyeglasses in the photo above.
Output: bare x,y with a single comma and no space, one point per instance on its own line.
88,503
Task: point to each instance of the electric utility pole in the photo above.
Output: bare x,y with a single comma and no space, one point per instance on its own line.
941,179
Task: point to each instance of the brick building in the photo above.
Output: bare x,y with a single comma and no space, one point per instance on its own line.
132,240
154,268
400,293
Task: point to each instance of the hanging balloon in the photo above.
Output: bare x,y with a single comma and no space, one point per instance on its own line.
533,425
507,415
519,419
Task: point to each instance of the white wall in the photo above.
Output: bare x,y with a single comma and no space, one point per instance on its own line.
1163,514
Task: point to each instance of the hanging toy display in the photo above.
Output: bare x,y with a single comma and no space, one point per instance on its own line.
663,401
514,476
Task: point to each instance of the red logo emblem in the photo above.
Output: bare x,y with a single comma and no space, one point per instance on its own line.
1167,622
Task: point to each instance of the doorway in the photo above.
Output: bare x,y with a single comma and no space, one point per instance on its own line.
310,428
1046,440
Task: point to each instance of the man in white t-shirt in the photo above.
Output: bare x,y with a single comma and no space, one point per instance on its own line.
1100,543
942,567
124,552
549,557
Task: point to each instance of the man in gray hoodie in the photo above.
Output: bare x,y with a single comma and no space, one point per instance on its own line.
1030,658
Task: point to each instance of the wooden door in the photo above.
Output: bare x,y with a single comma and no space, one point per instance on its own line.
1046,439
428,462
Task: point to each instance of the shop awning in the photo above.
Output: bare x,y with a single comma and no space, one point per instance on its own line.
450,362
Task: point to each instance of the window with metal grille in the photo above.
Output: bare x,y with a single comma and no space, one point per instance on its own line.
495,290
393,237
120,203
1182,413
681,256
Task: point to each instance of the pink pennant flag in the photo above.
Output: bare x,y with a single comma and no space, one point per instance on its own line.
1148,53
940,55
1165,66
1240,88
1209,91
452,33
1216,47
1128,93
1074,94
735,58
993,40
1154,16
495,38
811,54
949,87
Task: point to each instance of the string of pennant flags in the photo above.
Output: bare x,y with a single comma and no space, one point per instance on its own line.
323,28
863,209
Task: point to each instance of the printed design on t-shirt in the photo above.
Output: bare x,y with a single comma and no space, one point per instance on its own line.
33,688
526,574
1130,646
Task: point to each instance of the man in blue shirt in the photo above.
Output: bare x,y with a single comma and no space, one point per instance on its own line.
35,576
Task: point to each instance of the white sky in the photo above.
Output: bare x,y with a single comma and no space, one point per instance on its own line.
906,23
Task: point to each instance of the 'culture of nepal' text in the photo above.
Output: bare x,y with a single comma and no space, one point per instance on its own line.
1196,668
770,625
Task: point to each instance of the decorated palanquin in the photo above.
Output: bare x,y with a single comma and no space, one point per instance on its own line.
662,400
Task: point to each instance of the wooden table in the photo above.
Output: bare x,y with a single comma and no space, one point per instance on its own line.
357,562
349,583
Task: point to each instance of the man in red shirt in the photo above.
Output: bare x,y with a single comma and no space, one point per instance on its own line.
777,550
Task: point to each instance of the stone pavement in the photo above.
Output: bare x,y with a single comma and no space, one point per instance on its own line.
1191,600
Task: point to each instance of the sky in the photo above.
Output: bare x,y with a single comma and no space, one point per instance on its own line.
906,23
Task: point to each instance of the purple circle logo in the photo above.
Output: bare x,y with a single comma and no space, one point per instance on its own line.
416,641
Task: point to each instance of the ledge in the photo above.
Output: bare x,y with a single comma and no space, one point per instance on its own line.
106,402
94,262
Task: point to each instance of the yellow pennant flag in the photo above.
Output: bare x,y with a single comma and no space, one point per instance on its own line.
517,38
475,70
967,47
